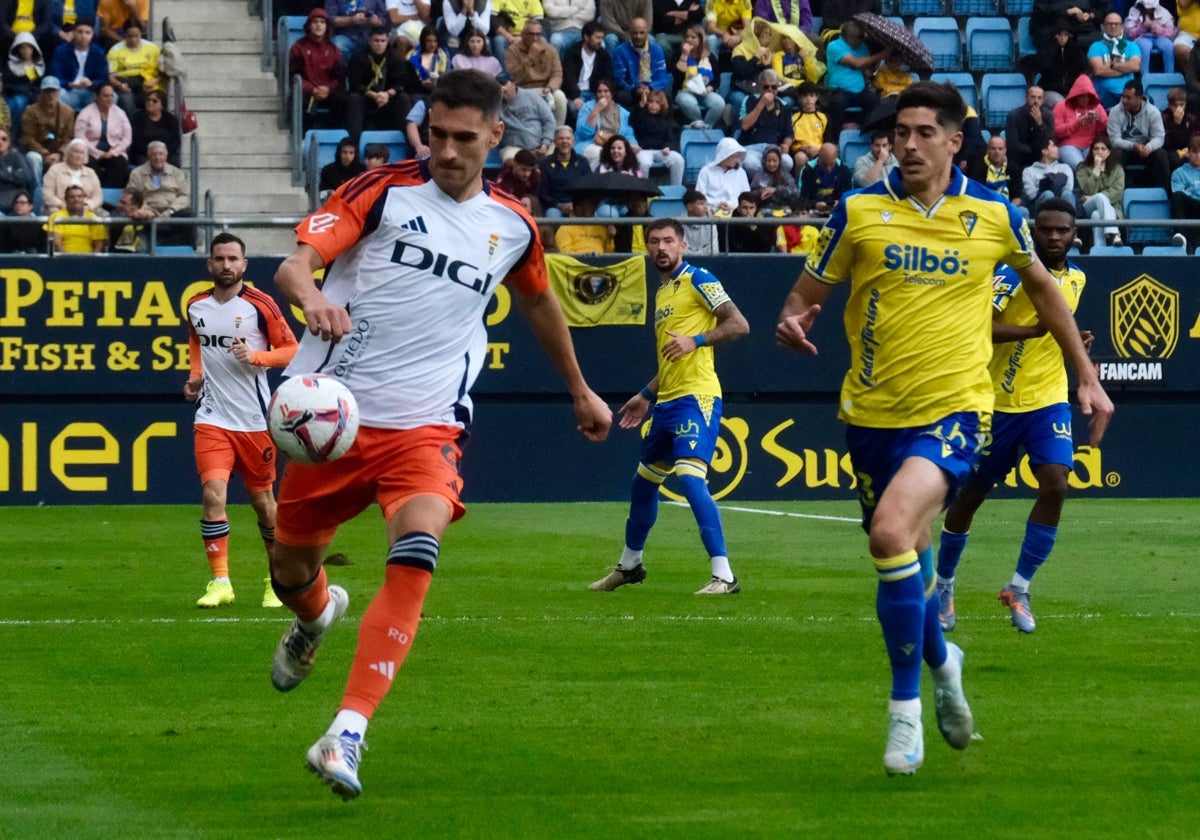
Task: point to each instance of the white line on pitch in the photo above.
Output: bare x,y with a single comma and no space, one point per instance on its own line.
780,513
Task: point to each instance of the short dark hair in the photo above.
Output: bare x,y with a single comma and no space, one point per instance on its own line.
881,134
694,195
1055,205
468,89
224,238
590,28
942,98
347,141
135,196
377,150
660,224
378,30
749,195
525,158
1134,85
806,87
84,20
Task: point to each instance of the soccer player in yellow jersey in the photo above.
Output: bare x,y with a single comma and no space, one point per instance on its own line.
1031,412
919,249
692,314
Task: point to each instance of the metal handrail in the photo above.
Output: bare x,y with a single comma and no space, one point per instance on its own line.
266,8
297,102
194,171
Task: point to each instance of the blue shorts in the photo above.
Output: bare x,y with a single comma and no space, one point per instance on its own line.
1045,434
679,429
953,443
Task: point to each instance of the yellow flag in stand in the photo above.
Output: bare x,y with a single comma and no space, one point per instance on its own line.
591,296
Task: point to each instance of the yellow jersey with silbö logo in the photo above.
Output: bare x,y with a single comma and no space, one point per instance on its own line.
918,318
684,304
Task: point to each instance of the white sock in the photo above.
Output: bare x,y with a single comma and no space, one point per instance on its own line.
720,569
222,579
1019,584
348,721
630,559
911,708
944,581
321,623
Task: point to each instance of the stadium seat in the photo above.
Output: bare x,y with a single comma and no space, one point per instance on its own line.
493,164
965,83
111,195
288,30
989,44
671,190
325,140
1156,86
700,135
1165,251
1146,203
663,208
174,250
910,8
1111,251
941,37
1024,39
853,144
695,156
980,8
1016,8
394,140
1000,93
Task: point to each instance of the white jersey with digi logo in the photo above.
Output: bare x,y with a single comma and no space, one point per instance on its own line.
415,270
234,395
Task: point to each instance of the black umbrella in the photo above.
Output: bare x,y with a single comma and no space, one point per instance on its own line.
612,183
888,33
882,116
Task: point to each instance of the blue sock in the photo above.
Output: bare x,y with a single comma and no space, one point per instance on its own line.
1036,547
950,552
935,640
925,557
708,517
643,511
900,605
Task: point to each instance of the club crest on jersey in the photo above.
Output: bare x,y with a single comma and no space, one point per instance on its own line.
886,215
493,244
969,219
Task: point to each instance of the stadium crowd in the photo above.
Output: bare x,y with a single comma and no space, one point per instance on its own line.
745,103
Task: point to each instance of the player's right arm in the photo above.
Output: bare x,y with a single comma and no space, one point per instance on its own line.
294,279
801,308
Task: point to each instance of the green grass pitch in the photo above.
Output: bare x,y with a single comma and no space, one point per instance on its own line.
531,707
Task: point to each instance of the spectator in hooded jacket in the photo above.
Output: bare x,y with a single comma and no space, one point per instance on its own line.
322,74
22,76
1057,65
1078,121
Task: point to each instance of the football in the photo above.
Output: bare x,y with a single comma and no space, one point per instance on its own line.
313,418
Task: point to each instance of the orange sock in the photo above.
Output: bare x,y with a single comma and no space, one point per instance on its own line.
308,601
385,637
216,545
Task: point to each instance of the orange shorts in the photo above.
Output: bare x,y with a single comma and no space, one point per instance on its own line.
388,466
219,452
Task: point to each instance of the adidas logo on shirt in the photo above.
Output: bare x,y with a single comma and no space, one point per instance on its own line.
417,224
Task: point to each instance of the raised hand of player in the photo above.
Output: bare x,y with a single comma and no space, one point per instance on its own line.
633,412
678,347
594,416
791,332
325,319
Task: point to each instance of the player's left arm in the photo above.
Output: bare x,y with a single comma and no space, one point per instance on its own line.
1056,317
731,324
545,318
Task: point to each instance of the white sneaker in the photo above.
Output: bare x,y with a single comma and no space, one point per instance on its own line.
335,759
298,648
954,718
716,586
905,751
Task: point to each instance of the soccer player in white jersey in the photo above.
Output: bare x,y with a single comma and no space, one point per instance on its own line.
420,248
918,249
235,333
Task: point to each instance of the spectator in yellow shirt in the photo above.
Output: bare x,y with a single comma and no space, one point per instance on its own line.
585,239
808,126
133,68
74,237
891,77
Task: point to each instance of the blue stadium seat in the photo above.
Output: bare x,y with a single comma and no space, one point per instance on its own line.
701,135
910,8
1016,8
111,195
1024,39
288,30
174,250
989,44
853,144
999,94
981,8
663,208
695,156
941,37
1165,251
326,141
493,164
1111,251
671,190
394,140
1156,86
1146,203
965,83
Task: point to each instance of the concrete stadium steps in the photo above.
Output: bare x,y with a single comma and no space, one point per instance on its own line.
245,160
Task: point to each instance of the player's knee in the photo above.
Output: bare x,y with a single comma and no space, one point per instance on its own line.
889,537
1052,483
